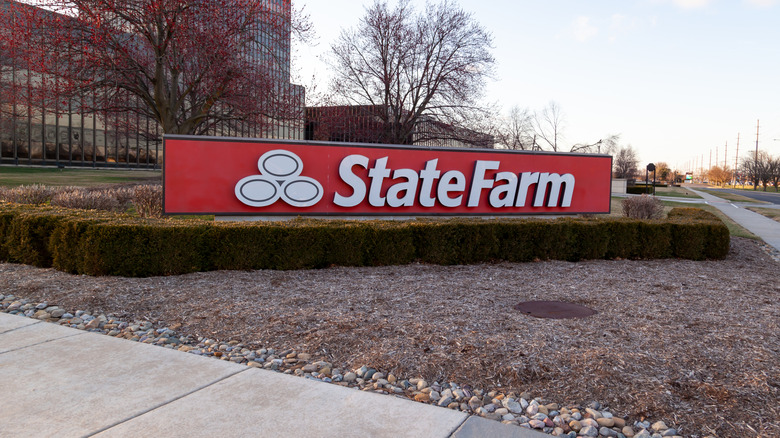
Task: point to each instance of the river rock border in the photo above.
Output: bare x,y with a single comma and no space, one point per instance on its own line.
523,410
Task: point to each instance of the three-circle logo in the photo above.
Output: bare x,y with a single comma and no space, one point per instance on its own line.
280,177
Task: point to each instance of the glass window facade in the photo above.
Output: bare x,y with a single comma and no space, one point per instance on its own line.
45,129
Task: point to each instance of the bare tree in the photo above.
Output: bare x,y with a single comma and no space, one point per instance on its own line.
748,169
774,172
625,163
606,145
544,130
549,124
760,169
517,130
419,67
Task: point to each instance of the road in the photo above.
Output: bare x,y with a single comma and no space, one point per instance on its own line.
759,195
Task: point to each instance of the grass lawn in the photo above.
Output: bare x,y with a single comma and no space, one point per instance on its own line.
11,176
771,213
677,192
750,188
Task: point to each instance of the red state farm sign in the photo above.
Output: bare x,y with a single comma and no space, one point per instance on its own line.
235,176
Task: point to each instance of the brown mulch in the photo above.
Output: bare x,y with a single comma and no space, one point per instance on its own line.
696,344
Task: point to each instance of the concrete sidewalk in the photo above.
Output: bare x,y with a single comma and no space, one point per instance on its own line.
763,227
59,381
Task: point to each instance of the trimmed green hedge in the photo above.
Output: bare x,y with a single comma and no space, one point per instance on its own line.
639,190
95,243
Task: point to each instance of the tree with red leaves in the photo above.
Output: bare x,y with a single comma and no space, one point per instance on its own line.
191,65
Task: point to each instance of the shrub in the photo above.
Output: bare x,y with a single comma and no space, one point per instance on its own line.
123,195
66,244
637,190
87,200
643,207
27,238
589,239
103,243
454,241
6,217
148,200
142,249
698,234
624,239
35,194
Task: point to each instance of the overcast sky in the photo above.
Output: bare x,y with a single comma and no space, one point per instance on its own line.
677,79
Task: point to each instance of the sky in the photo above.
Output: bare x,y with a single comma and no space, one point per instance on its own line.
679,80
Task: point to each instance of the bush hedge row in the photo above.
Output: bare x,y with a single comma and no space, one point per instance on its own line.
650,184
102,243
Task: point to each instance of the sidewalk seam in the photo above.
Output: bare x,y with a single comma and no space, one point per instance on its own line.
39,343
21,327
457,428
153,408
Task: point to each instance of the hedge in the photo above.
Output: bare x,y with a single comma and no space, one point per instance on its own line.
95,243
639,190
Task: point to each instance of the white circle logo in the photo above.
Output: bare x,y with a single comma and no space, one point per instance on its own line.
279,177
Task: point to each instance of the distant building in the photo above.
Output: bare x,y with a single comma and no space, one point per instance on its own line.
33,131
363,124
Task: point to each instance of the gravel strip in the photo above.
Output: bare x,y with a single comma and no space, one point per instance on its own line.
678,348
509,408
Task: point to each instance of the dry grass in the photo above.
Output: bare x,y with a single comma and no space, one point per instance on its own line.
771,213
696,344
677,192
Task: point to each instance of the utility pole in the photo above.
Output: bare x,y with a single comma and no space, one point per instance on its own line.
710,159
725,157
736,161
755,165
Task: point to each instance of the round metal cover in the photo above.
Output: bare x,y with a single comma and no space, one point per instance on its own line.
554,309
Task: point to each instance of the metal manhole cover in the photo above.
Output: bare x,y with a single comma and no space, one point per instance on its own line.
554,309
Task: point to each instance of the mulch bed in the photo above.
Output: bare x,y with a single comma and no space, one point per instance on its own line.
696,344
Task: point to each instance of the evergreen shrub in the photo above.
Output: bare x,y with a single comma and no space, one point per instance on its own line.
103,243
637,190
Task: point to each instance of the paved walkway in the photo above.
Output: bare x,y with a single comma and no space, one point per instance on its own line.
763,227
59,381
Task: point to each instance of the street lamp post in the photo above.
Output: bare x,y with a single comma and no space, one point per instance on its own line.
650,168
